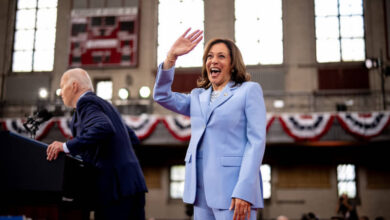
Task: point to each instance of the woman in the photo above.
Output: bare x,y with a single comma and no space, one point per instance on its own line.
228,125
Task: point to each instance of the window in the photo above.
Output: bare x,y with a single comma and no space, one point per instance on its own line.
189,13
176,188
339,30
34,40
266,175
346,180
104,89
259,31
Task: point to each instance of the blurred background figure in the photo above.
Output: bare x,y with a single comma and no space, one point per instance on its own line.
346,209
309,216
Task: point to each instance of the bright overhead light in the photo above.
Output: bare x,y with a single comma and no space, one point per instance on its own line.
144,92
278,103
371,63
123,93
43,93
58,91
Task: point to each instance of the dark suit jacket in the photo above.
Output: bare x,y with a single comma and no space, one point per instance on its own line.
103,140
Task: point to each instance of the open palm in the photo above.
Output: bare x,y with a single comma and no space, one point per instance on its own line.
184,44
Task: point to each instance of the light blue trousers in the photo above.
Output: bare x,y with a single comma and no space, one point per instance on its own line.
201,210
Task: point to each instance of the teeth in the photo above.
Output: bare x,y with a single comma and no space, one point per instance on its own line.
215,70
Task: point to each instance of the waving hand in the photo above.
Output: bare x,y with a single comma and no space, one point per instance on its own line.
183,45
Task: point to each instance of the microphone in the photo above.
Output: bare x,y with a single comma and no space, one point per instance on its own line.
33,121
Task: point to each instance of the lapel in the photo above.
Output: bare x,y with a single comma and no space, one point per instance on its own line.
226,93
73,123
204,99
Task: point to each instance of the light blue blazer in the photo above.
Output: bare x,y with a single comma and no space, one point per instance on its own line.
233,128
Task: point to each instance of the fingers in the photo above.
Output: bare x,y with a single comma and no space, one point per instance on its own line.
199,38
193,37
248,211
239,214
196,39
186,32
232,204
242,209
49,152
52,151
195,43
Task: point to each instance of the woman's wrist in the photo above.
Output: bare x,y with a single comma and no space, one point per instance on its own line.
170,61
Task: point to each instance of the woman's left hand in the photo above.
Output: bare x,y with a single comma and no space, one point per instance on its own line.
241,208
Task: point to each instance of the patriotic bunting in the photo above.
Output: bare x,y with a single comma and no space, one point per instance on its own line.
64,126
301,127
179,126
16,126
306,126
364,125
270,119
142,125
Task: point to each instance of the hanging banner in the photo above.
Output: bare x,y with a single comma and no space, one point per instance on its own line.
310,127
301,127
179,126
364,125
63,124
270,120
142,125
16,126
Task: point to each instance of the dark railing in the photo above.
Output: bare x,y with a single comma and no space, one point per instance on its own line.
326,101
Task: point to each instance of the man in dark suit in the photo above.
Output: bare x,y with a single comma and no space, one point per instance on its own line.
102,139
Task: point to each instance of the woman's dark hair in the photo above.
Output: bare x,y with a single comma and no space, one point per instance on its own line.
238,71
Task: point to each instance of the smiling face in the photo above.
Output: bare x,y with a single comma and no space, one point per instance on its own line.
218,66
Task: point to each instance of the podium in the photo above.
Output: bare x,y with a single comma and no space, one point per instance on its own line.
31,185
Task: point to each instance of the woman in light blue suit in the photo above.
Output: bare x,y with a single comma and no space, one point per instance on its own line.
228,128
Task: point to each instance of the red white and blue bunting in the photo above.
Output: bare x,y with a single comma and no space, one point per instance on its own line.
142,125
364,125
16,126
306,126
64,126
270,119
179,126
301,127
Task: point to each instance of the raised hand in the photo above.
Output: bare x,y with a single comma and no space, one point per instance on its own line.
183,45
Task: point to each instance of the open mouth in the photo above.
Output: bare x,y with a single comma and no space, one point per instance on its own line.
215,71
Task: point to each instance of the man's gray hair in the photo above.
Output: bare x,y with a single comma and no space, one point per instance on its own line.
81,77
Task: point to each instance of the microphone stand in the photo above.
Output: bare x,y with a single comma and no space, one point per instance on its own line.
33,122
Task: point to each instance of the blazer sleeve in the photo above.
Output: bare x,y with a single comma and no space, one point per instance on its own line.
96,127
163,95
248,180
133,137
